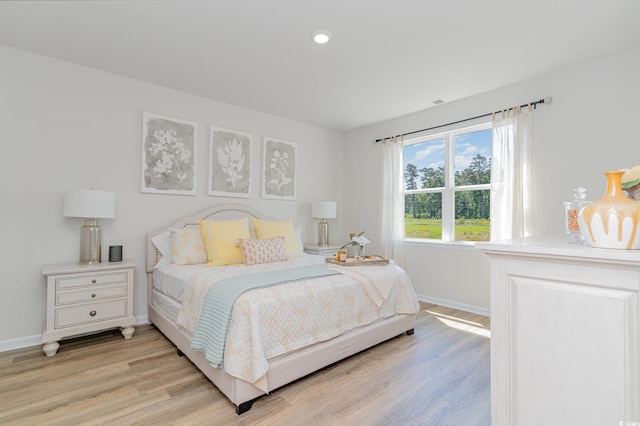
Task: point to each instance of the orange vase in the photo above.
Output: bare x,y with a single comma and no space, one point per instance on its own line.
611,221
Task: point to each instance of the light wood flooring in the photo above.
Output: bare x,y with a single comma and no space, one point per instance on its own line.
438,376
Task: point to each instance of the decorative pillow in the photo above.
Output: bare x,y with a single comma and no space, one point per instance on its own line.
187,247
266,229
263,251
220,239
163,245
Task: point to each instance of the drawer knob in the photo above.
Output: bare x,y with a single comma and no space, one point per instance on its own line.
93,281
93,313
93,295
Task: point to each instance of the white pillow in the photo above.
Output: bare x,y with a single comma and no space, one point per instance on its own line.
299,237
163,244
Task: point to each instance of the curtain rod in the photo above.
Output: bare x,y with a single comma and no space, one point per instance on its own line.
546,100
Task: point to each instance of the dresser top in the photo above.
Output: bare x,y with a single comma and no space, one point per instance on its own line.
556,247
73,268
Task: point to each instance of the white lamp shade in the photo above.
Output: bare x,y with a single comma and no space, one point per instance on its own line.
324,209
89,203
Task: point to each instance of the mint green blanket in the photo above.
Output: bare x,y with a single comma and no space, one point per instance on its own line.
211,332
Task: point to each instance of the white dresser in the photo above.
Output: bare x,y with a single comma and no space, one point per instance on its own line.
87,298
564,334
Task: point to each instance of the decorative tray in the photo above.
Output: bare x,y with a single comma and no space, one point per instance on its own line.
359,261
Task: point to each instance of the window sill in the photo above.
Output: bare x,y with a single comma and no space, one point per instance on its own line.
457,245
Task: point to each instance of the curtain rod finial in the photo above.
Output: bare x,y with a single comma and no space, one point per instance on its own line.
547,99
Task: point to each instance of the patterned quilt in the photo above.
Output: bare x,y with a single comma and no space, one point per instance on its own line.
273,321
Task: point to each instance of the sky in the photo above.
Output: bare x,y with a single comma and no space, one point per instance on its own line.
431,154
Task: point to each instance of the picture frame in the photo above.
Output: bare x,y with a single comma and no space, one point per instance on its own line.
279,162
229,163
169,155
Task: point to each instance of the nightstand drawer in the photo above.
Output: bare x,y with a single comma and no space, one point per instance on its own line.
88,294
91,312
91,279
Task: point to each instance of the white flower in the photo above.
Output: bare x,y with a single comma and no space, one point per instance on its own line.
361,240
357,240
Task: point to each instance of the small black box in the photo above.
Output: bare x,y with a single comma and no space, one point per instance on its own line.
115,253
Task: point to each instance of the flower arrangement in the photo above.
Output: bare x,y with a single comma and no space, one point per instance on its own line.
358,241
631,182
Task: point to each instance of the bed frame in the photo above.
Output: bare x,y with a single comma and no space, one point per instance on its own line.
283,369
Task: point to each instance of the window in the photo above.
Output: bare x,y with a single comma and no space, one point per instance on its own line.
447,185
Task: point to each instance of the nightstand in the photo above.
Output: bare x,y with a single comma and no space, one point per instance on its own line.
326,251
87,298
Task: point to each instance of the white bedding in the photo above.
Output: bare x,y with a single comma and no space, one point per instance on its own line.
270,322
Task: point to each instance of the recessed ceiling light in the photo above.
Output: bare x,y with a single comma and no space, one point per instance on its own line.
321,37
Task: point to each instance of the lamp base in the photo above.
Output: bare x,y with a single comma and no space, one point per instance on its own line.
323,233
90,242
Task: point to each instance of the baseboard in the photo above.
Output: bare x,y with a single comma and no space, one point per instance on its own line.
25,342
20,343
455,305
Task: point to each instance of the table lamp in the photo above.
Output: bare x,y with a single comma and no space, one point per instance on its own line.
323,210
90,205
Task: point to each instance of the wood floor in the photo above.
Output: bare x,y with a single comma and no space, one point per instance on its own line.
438,376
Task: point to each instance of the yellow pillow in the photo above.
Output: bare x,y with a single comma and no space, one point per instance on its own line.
266,229
220,239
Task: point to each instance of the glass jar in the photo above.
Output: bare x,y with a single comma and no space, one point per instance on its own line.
571,211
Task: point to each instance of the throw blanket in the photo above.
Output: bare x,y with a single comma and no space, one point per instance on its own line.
211,333
376,280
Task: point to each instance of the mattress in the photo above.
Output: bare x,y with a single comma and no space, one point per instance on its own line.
166,305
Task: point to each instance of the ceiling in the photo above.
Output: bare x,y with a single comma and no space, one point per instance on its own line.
387,58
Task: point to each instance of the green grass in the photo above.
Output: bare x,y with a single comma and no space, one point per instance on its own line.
466,229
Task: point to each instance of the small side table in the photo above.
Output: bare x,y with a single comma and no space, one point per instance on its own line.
87,298
326,251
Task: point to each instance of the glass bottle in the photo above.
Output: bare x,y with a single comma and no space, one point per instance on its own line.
572,209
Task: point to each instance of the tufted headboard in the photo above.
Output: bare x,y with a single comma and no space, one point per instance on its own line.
218,212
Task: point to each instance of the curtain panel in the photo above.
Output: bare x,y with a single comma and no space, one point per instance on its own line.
392,201
511,192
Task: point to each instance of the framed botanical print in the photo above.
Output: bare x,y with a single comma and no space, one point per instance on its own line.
279,169
229,163
168,155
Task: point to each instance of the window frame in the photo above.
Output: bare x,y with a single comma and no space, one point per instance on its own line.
449,189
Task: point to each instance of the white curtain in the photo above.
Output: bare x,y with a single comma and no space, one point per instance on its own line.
511,192
392,201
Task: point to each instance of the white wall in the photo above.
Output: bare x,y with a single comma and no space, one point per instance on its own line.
590,127
65,126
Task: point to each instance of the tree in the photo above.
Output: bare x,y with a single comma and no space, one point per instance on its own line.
432,178
478,172
410,178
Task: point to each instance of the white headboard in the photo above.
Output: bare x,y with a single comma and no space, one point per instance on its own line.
217,212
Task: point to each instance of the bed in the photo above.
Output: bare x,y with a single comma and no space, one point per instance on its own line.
175,292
